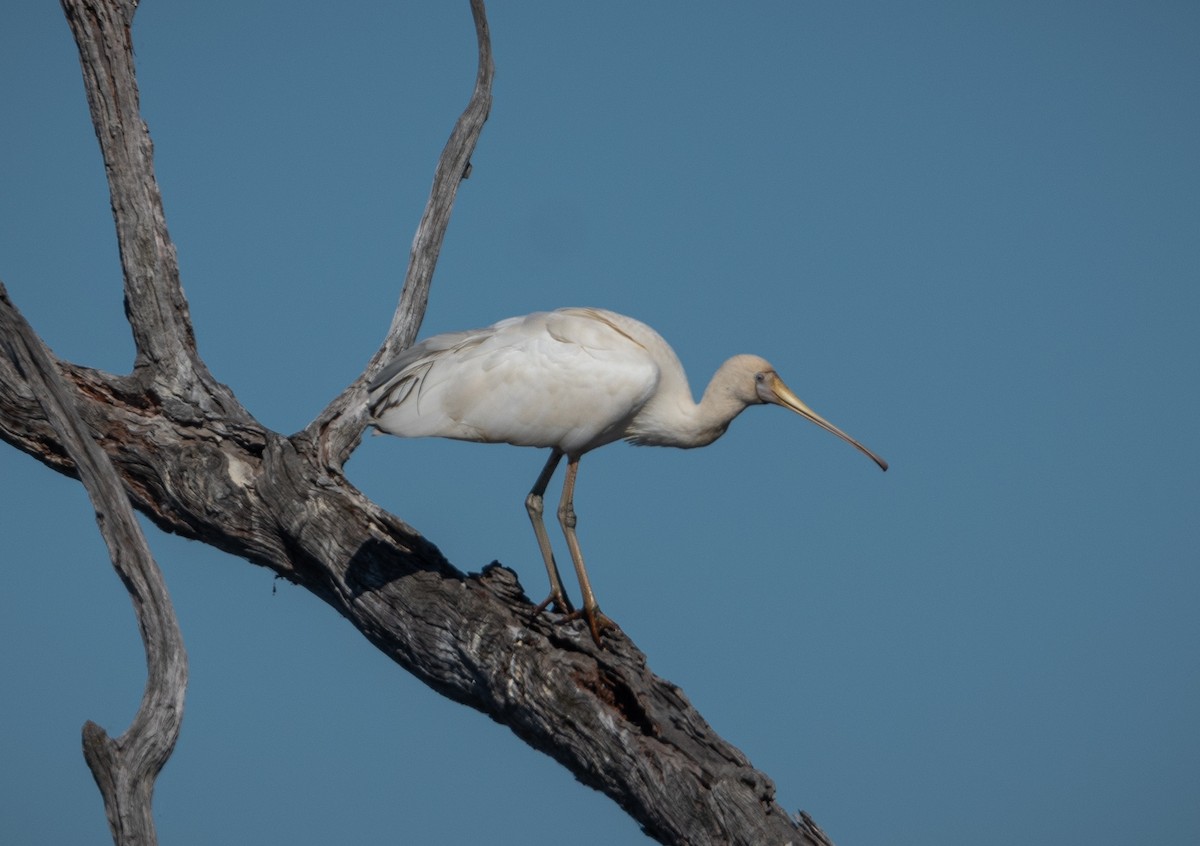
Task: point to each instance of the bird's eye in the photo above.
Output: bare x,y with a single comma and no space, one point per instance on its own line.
759,377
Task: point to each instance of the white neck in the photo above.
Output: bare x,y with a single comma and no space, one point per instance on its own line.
672,418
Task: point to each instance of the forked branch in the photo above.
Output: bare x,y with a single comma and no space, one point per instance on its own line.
154,300
124,768
197,464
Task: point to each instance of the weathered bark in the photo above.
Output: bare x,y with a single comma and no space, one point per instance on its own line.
338,429
193,460
166,362
124,768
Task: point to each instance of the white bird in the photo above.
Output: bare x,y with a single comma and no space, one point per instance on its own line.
571,380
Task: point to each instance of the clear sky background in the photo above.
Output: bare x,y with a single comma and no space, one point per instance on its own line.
967,233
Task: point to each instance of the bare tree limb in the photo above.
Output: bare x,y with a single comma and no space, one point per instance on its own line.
270,499
154,300
197,464
124,768
339,427
452,168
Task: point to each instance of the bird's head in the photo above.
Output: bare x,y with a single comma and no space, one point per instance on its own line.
769,388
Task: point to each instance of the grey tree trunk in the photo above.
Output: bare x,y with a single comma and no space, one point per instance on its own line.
178,445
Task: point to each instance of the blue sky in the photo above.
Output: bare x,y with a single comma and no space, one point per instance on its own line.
968,234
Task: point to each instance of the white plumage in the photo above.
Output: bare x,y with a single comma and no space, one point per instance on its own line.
571,380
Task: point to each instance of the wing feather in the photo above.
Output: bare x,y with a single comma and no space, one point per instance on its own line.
570,378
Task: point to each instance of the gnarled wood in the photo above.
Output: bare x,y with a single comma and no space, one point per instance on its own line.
338,429
271,500
154,302
198,465
124,768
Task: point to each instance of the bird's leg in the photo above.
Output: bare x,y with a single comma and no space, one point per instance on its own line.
533,504
566,517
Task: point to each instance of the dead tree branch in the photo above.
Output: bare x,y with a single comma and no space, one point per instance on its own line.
167,361
197,464
339,427
124,768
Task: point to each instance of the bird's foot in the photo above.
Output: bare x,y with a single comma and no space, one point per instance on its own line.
561,604
596,620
